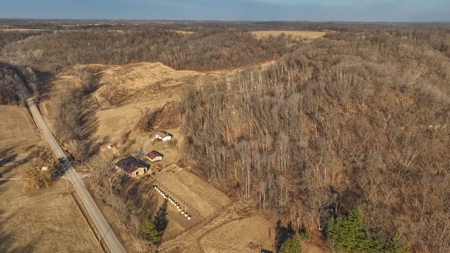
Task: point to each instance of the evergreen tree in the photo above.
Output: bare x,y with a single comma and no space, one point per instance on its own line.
396,245
150,232
291,245
349,234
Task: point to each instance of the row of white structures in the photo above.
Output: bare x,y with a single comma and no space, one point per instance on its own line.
173,202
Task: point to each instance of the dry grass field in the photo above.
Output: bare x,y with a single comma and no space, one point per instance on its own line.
231,231
189,188
16,127
304,34
119,81
46,221
183,32
240,236
116,121
195,196
21,30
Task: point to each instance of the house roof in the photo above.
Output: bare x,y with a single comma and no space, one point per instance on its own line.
131,164
163,134
154,154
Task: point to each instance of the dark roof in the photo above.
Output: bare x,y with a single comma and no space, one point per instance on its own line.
152,155
131,164
163,134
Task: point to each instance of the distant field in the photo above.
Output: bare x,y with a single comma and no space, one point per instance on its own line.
183,32
46,221
21,30
305,34
16,127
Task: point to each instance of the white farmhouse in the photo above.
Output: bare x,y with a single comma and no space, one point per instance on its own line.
163,135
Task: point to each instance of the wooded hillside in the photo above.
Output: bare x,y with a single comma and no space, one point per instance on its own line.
352,119
204,50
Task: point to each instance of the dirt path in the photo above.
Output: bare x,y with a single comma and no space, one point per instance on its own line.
145,144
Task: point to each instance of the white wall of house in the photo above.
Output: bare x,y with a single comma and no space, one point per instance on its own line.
139,172
166,138
157,136
158,158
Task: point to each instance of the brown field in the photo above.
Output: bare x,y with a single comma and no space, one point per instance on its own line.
183,32
230,231
237,235
21,30
194,196
139,75
46,221
198,194
116,121
304,34
16,127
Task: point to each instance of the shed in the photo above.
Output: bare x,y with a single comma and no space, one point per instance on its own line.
154,156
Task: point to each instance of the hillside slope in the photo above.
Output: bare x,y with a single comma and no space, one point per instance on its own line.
352,119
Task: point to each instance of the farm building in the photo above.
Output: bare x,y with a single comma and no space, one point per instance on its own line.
163,135
154,156
133,166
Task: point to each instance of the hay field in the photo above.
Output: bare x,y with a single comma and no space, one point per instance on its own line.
46,221
191,189
304,34
16,127
194,196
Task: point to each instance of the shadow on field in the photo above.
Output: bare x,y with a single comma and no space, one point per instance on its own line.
282,234
8,239
161,220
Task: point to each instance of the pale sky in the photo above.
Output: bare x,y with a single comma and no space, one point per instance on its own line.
229,10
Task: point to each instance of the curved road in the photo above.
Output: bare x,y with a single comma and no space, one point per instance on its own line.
107,235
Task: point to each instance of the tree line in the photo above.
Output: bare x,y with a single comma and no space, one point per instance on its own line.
9,95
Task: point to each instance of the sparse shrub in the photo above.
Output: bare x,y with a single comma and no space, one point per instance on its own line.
34,179
305,235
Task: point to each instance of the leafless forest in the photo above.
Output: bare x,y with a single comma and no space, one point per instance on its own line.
360,117
352,119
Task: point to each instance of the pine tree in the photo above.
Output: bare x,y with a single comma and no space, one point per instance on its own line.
291,245
396,245
150,232
349,234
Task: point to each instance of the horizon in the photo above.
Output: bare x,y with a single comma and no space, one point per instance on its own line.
364,11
